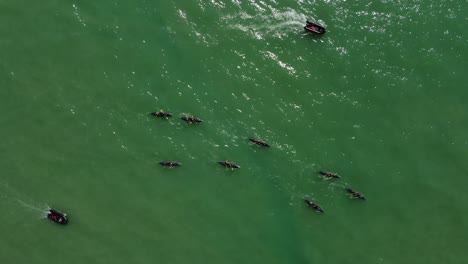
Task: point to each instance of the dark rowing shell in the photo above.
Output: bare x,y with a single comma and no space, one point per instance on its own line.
170,163
57,217
356,194
161,114
314,206
330,174
191,119
259,142
229,165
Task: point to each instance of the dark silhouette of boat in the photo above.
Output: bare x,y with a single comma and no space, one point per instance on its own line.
356,194
314,28
161,114
228,164
170,163
57,217
259,142
330,174
191,119
314,206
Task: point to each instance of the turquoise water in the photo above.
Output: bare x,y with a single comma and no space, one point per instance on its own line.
380,99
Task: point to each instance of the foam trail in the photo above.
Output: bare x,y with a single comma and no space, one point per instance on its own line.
11,195
30,206
273,23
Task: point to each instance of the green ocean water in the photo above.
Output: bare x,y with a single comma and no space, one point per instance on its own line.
380,99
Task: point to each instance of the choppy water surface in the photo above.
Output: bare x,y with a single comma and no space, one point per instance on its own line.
380,99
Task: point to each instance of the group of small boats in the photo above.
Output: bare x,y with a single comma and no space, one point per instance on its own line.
313,27
192,119
225,163
61,218
332,175
316,28
230,165
186,118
